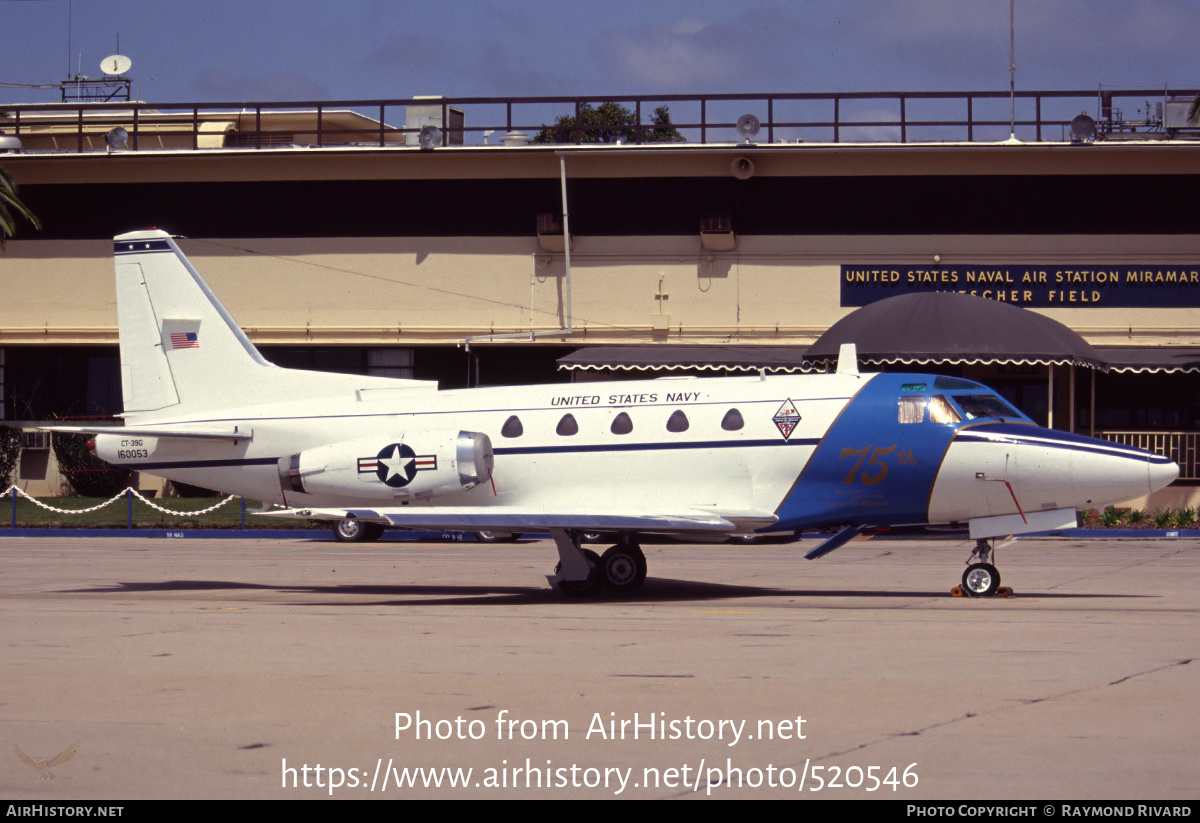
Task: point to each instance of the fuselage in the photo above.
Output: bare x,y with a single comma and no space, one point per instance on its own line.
811,450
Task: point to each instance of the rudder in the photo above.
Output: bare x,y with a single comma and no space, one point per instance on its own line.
180,349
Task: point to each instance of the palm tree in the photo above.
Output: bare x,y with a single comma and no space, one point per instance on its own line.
9,203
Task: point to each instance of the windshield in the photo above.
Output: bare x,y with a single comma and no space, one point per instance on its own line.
975,406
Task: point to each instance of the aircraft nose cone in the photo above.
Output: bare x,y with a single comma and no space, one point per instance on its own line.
1162,473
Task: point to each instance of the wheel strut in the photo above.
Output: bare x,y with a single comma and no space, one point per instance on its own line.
982,578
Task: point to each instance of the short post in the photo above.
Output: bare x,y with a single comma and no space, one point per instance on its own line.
129,508
14,506
243,514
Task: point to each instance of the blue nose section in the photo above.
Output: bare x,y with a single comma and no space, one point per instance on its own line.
870,468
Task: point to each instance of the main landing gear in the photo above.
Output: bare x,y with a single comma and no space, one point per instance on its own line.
351,530
981,579
583,573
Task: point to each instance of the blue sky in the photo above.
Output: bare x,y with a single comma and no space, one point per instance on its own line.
235,52
227,51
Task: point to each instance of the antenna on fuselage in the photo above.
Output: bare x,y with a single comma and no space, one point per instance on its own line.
847,359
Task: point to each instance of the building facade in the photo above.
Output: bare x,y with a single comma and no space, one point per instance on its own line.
450,263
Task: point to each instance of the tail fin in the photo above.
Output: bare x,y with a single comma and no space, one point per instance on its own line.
179,346
182,352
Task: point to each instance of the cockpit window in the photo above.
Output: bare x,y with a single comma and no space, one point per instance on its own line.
912,409
975,406
940,410
944,383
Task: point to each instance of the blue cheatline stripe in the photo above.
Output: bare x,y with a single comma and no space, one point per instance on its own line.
627,447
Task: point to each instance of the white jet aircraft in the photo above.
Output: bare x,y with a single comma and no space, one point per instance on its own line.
729,455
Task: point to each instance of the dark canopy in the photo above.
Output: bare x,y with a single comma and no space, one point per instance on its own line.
1151,358
947,327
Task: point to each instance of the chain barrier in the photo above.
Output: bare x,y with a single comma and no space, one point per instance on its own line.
16,490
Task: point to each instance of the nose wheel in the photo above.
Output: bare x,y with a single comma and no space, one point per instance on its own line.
981,579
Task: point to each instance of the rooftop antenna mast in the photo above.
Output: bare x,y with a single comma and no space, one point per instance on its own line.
1012,72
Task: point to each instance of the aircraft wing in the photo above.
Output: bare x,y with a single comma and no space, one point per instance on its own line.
504,518
124,431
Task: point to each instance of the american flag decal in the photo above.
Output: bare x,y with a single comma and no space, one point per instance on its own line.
185,340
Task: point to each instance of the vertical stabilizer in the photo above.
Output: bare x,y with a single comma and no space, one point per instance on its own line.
179,346
182,354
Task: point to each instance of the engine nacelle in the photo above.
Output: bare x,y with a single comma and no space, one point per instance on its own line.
414,466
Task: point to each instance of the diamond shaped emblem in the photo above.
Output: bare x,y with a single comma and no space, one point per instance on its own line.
787,418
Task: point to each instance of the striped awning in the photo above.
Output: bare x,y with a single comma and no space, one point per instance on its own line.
678,358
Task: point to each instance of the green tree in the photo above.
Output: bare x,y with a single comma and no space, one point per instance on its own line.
610,123
10,203
1193,114
10,450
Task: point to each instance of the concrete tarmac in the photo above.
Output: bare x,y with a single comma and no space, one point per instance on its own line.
298,669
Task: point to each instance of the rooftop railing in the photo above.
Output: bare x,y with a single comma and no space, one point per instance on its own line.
852,117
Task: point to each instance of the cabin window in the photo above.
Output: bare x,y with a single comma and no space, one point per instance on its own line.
678,422
912,410
512,427
567,426
732,421
622,424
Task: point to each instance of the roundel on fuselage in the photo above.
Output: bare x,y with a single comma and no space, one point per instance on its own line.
397,465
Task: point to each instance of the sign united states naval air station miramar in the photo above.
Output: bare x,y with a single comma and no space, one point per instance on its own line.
1038,286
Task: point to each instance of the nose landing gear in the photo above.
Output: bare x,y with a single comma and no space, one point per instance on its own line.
981,578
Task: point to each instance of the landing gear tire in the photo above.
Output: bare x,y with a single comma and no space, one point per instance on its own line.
497,537
981,580
583,588
351,530
624,567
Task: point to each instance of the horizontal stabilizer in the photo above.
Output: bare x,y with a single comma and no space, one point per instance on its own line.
201,434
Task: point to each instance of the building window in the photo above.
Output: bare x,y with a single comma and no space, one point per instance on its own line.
390,363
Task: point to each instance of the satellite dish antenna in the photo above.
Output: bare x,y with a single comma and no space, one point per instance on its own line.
430,137
1083,128
747,126
115,64
116,139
